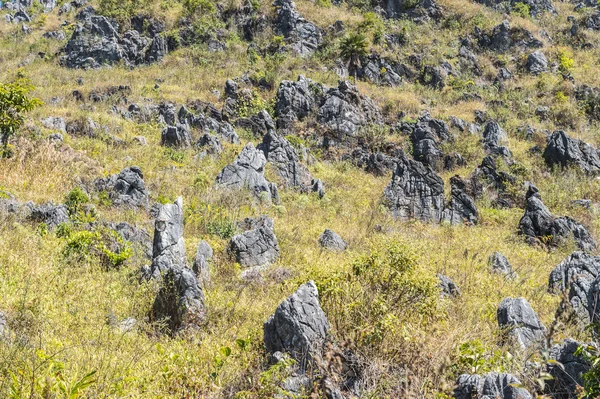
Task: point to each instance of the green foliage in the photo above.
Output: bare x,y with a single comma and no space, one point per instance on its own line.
75,200
15,101
374,24
352,47
270,380
591,379
250,105
475,358
565,62
522,10
383,293
373,137
192,7
104,244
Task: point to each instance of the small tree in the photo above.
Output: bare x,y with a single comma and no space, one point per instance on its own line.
352,47
14,102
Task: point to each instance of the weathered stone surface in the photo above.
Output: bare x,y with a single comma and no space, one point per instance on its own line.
137,236
426,136
256,222
96,41
490,386
536,7
204,254
536,63
256,247
538,222
499,264
329,239
168,248
55,123
461,208
523,325
303,36
296,100
209,145
50,214
504,38
178,136
208,120
492,138
259,124
488,177
568,372
377,163
126,188
563,151
421,10
247,172
415,192
180,302
298,326
345,111
447,286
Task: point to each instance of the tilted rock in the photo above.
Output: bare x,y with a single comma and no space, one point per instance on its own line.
568,370
50,214
176,136
247,172
538,223
490,386
564,151
536,63
447,286
96,42
204,254
255,248
180,302
503,38
126,188
487,177
329,239
209,145
499,264
134,235
492,138
298,326
521,322
345,111
283,156
378,163
415,192
461,208
421,10
303,36
168,247
259,124
426,136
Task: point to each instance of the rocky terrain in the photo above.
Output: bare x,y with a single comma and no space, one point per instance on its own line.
310,199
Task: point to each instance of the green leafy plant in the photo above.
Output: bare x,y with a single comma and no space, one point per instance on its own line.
565,62
103,243
352,48
522,10
15,101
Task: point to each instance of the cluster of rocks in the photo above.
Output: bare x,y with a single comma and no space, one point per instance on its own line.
503,38
417,192
536,7
420,11
126,188
538,225
97,41
256,247
50,214
563,151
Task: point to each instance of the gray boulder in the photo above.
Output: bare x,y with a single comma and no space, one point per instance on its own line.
204,254
493,136
499,264
567,370
126,188
415,192
137,236
209,145
247,172
522,324
447,286
426,136
345,111
259,124
563,151
461,208
168,247
536,7
178,136
419,10
329,239
180,301
255,248
298,326
55,123
490,386
303,36
536,63
48,213
504,38
296,100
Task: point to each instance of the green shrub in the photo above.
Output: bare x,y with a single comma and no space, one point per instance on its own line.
522,10
565,62
75,200
104,244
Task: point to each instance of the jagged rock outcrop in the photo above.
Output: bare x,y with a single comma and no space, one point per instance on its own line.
382,71
567,370
168,247
519,320
490,386
178,136
538,224
426,135
415,192
536,7
298,326
504,38
247,172
296,100
209,145
447,286
96,41
488,178
180,302
204,254
563,151
331,240
344,111
499,264
207,120
256,247
421,10
137,236
49,214
492,138
461,208
126,188
259,124
303,36
377,163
